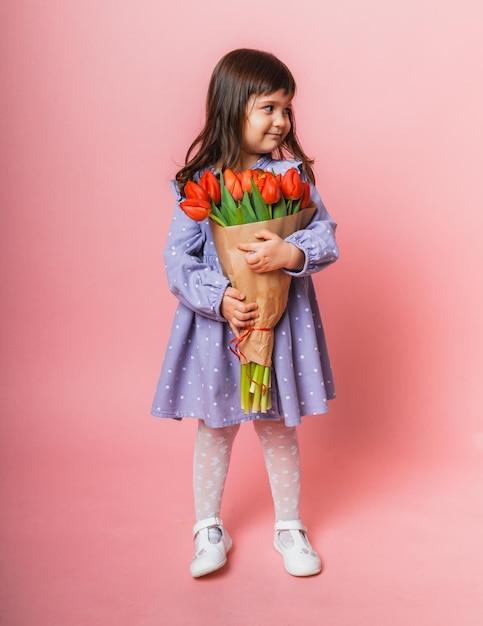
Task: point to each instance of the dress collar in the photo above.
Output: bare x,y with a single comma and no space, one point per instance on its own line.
262,163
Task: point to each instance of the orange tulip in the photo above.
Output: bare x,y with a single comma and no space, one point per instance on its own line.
211,185
269,188
194,191
247,176
245,179
195,208
256,174
291,184
233,184
305,195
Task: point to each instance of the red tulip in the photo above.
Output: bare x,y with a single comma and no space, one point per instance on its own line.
291,184
194,191
232,183
211,184
305,195
269,187
196,208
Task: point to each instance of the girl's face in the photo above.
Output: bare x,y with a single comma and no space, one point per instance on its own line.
267,123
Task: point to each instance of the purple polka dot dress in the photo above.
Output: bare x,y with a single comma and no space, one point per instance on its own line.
200,375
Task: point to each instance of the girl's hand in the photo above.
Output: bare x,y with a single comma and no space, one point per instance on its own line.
236,312
272,253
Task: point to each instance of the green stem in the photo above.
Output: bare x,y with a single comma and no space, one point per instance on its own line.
243,403
258,381
265,389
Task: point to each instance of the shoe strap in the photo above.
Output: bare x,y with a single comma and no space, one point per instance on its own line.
290,525
209,522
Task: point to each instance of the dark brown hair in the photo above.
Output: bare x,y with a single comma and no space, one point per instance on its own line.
237,76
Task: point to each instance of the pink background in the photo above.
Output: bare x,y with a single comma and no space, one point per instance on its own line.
99,100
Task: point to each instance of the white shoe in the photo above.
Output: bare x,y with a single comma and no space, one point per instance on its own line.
299,558
209,556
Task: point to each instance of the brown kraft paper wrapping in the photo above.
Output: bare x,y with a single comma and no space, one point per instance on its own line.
269,290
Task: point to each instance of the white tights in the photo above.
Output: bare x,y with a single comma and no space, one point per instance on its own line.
212,458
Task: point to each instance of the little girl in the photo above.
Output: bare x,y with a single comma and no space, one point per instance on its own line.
249,124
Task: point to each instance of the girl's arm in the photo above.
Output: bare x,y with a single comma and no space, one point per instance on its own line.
190,268
237,313
317,240
304,252
272,253
194,281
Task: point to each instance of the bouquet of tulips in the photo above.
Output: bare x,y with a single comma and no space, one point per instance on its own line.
245,197
239,204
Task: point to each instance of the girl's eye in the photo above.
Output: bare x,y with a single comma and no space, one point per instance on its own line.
270,108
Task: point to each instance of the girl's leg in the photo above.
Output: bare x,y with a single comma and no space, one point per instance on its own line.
281,453
210,466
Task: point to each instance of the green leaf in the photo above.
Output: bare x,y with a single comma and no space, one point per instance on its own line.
249,215
217,220
296,206
261,209
228,205
279,209
239,216
216,215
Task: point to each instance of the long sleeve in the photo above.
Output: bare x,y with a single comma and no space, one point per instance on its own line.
193,271
317,240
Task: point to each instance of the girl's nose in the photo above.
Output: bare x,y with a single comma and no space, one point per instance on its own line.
279,120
